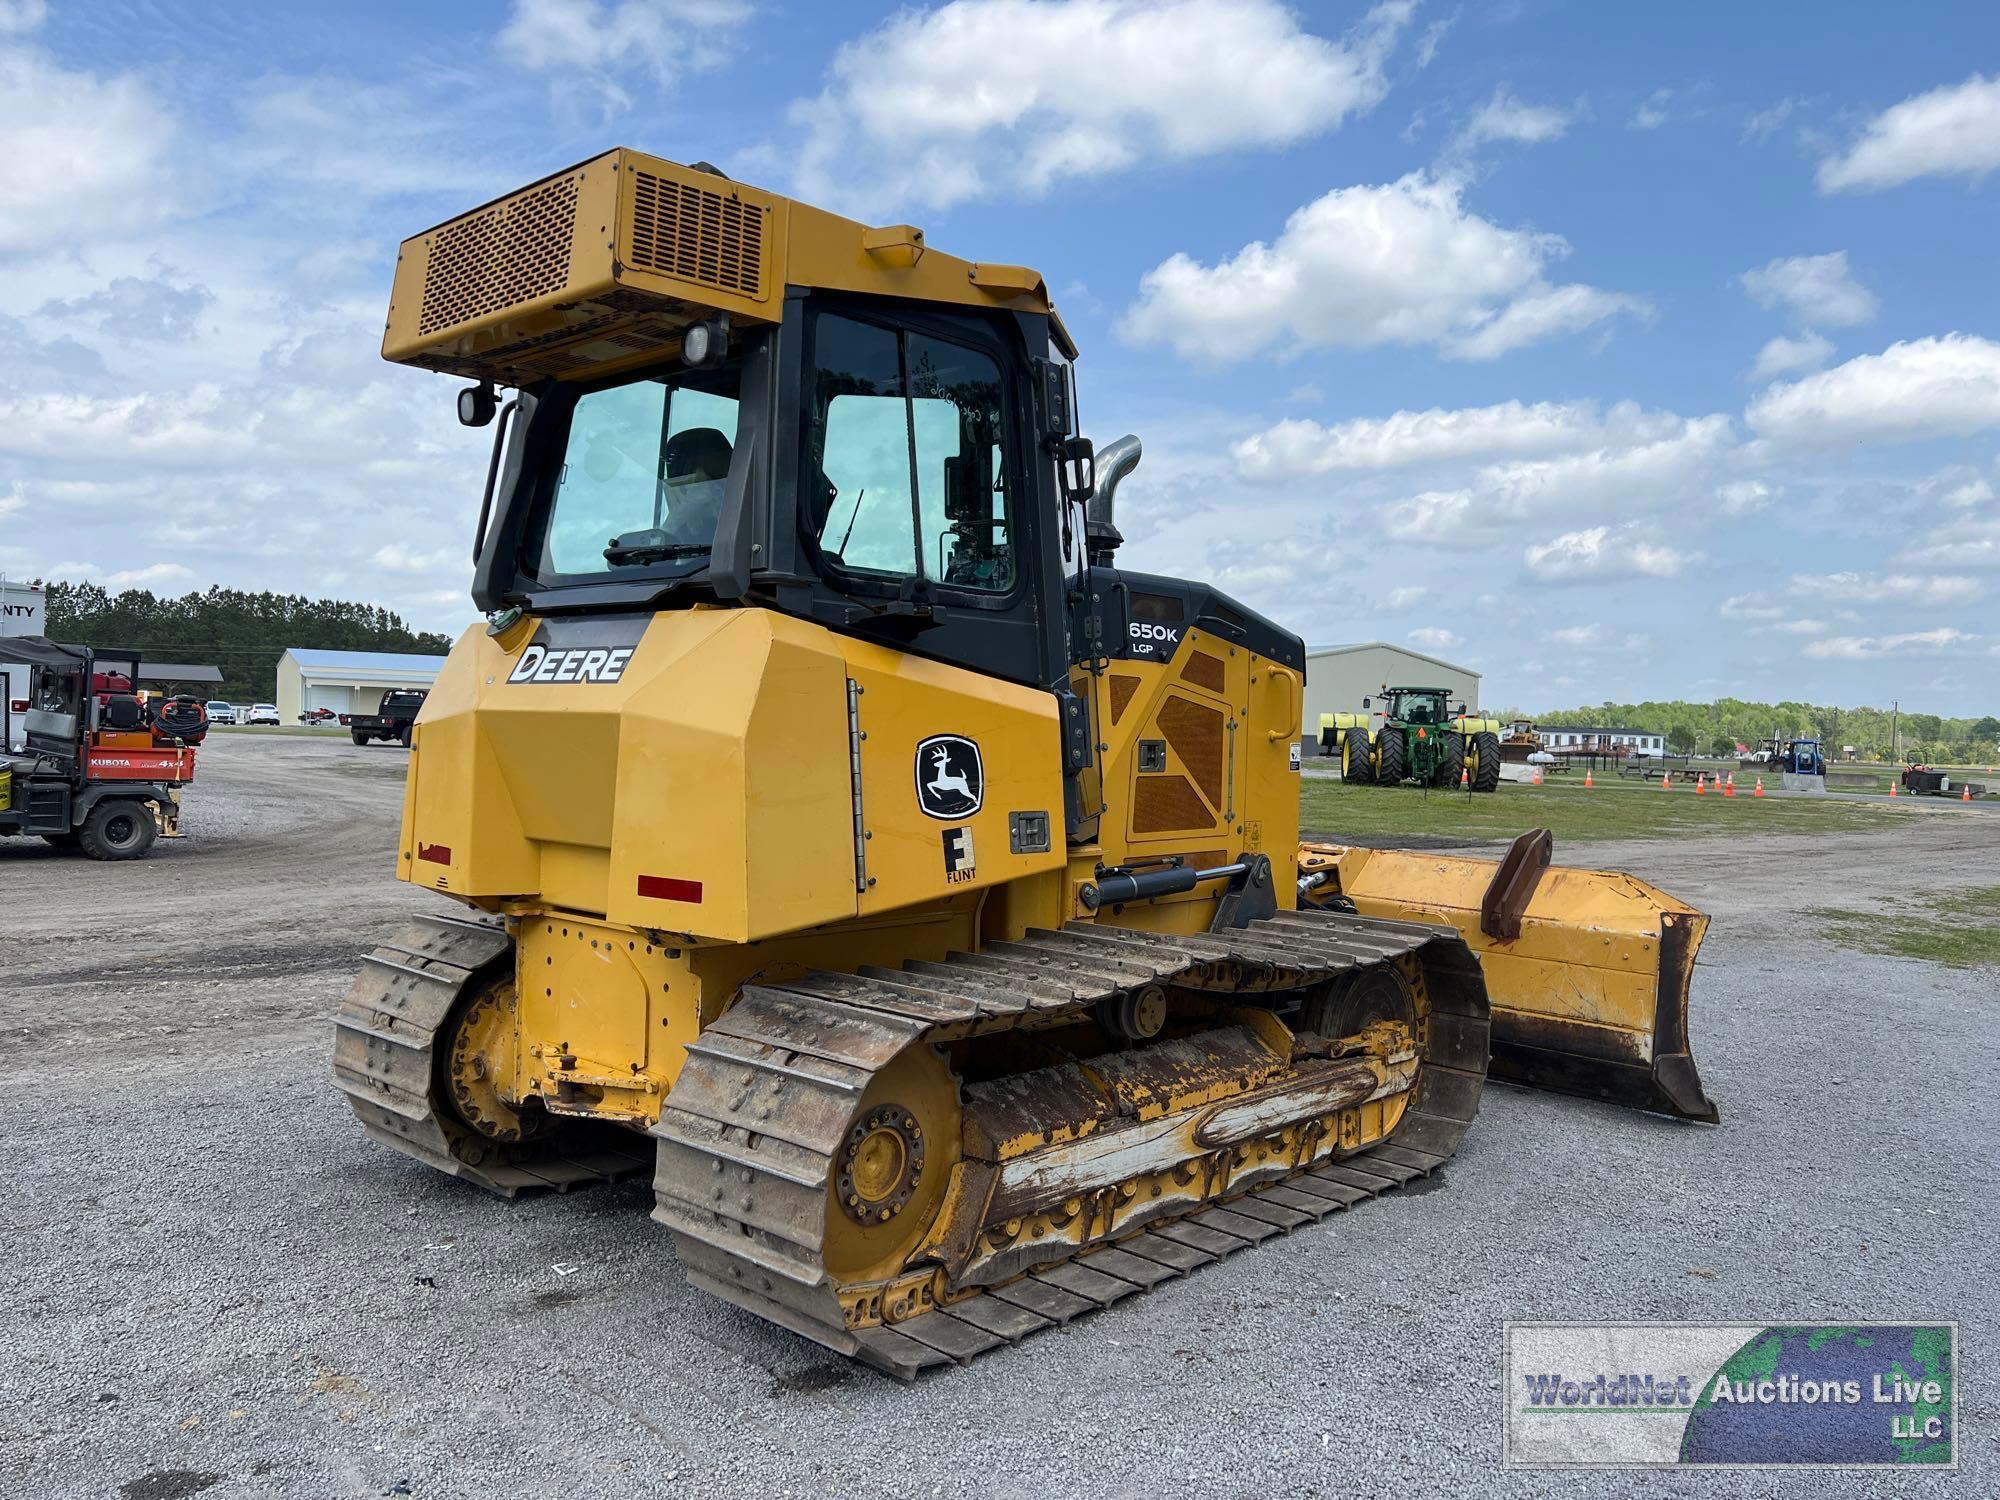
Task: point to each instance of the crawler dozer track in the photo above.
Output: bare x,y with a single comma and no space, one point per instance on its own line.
386,1060
789,1138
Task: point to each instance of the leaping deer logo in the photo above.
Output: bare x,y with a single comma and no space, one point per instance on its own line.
949,776
946,779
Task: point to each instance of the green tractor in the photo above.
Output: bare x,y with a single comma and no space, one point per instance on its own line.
1421,739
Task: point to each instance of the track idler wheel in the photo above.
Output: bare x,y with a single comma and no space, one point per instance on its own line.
1137,1015
1352,1002
481,1039
892,1168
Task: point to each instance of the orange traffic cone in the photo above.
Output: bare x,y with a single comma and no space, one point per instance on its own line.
1729,787
1538,775
1666,781
1732,783
1966,795
1700,785
1465,778
1586,777
1760,786
1892,789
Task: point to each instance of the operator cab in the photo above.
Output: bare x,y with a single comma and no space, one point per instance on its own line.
870,464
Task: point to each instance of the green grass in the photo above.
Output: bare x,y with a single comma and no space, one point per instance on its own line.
1959,929
1616,808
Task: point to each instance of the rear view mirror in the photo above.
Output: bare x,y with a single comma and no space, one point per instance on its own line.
1076,467
477,404
1367,702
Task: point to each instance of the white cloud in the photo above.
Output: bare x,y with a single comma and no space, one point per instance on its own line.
1925,590
1512,429
664,38
1743,497
136,309
1661,468
18,17
1924,388
1399,263
81,157
1503,117
1602,553
1433,638
1819,289
1427,44
1762,123
1660,462
399,557
194,426
1783,356
1962,491
159,577
1874,647
1408,597
1575,635
1952,131
305,136
1435,516
1652,114
979,97
1751,607
1536,315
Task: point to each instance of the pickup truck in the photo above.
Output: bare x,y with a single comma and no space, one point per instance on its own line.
392,721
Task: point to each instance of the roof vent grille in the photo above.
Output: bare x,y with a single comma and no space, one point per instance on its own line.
506,255
697,235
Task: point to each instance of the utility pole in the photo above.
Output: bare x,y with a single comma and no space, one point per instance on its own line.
1895,736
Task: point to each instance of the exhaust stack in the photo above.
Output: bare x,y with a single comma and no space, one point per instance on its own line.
1101,538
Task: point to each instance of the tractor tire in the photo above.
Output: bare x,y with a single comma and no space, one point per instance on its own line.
1485,761
1389,757
1452,764
405,737
1355,763
360,738
117,828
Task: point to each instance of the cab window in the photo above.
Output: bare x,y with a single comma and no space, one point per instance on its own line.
643,472
906,439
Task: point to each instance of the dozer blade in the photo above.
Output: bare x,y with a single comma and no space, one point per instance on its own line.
1587,970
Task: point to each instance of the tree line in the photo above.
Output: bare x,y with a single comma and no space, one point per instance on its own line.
239,633
1717,728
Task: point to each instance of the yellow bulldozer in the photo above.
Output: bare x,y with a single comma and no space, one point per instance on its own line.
837,831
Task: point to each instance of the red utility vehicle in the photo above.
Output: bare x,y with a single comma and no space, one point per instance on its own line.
93,772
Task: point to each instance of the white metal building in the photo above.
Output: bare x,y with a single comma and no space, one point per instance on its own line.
1339,677
1636,741
347,682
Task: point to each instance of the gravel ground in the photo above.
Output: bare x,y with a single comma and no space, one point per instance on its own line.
214,1284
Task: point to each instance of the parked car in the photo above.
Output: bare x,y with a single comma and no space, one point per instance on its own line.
180,717
263,713
220,712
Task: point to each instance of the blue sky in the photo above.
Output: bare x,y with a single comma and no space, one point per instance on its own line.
1617,352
